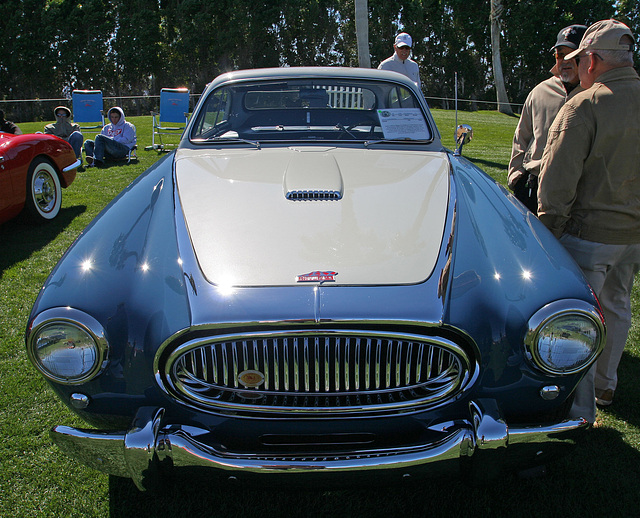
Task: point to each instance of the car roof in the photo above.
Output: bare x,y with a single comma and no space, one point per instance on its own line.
313,72
341,73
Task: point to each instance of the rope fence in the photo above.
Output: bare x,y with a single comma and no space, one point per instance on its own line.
34,110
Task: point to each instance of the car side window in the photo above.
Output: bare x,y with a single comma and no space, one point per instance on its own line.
216,112
400,97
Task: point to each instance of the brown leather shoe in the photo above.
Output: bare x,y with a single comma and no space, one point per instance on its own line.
604,398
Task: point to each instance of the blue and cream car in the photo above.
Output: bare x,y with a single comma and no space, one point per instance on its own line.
311,288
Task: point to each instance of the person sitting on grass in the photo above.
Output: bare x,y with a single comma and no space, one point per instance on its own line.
8,126
115,141
65,129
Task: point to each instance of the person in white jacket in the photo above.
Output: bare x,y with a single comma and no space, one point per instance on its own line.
115,141
400,61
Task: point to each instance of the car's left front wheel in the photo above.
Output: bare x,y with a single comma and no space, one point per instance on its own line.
44,193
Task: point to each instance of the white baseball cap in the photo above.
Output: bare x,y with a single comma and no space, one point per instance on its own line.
403,40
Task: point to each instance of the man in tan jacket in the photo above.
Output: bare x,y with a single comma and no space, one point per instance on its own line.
589,194
540,108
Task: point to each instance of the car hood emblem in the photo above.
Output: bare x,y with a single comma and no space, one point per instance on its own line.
317,277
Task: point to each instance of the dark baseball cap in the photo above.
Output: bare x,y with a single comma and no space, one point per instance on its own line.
570,37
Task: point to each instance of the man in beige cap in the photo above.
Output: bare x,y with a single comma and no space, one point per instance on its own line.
589,193
540,108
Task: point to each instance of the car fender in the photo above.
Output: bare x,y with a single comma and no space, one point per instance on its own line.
499,282
124,271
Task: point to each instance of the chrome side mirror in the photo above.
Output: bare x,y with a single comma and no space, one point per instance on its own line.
464,135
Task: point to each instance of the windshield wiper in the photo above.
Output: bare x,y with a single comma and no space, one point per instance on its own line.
386,140
230,139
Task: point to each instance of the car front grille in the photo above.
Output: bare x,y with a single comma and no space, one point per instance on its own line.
313,373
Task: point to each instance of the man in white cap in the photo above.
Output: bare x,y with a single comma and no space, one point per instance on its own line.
589,193
400,61
540,108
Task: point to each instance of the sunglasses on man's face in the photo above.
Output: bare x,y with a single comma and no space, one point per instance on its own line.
61,114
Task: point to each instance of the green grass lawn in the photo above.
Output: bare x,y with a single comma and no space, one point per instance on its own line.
601,477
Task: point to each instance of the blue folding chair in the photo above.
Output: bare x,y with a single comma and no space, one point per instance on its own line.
173,116
88,110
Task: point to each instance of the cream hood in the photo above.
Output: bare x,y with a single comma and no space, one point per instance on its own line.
381,219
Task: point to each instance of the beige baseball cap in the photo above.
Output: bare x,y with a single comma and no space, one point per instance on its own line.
603,35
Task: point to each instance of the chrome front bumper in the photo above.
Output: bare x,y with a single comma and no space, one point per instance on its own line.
478,448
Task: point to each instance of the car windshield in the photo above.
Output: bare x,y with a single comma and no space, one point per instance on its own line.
311,109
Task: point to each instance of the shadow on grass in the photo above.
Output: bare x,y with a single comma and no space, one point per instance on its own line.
481,163
626,402
580,483
20,238
109,164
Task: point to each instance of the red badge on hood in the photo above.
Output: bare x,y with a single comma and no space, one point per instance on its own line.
317,277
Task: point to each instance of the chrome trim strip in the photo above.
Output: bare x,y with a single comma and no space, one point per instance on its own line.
317,365
267,379
326,363
345,363
378,358
73,166
234,352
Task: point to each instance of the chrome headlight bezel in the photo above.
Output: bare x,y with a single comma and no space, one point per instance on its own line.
552,313
78,321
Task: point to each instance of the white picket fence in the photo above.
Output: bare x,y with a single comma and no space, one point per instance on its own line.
345,97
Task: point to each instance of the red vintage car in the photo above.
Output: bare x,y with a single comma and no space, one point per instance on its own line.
33,170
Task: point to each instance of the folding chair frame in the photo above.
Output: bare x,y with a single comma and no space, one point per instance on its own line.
132,155
174,109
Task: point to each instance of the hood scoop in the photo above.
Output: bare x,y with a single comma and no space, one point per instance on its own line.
319,179
314,195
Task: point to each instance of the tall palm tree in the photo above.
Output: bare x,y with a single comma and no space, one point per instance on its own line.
501,92
362,33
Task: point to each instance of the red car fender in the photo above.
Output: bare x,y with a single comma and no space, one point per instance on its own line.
18,151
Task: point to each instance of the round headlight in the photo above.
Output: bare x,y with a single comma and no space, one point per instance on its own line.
66,345
565,336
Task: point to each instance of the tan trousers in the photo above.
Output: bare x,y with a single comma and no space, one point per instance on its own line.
610,269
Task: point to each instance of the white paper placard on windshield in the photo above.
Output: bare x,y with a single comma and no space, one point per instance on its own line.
403,123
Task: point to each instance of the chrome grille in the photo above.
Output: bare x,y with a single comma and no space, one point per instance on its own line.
312,372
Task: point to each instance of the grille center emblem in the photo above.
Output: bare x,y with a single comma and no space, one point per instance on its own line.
251,379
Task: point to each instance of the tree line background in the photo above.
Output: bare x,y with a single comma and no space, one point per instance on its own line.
136,47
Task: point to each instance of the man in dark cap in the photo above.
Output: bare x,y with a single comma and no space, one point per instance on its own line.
541,107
